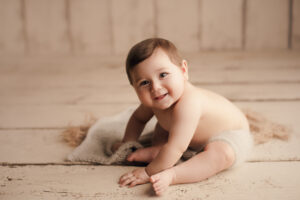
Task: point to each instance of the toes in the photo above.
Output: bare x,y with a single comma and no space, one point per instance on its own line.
158,192
157,186
154,178
159,189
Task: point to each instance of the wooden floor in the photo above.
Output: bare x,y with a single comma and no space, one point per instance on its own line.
41,96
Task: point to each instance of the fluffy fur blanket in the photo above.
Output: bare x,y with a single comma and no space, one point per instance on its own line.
95,138
96,147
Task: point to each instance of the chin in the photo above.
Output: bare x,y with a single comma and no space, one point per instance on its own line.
159,106
163,106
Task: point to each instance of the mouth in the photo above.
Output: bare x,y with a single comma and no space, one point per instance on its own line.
158,98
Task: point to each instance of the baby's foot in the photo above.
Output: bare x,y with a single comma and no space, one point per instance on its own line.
162,180
145,155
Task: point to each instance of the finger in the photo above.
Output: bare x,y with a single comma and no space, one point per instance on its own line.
130,157
128,174
124,182
134,183
128,181
125,176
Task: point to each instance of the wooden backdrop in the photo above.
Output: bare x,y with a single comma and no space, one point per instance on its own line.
111,27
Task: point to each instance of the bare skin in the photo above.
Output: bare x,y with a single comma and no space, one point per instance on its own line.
146,155
178,174
187,118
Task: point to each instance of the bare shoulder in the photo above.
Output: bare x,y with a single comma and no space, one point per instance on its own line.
190,103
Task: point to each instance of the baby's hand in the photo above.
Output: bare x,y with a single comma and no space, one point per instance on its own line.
136,177
116,146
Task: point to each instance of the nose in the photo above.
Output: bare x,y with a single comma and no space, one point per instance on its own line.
155,86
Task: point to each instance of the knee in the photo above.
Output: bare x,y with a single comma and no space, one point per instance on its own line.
222,153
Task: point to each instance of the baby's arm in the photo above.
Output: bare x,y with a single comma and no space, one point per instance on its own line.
133,130
136,123
185,119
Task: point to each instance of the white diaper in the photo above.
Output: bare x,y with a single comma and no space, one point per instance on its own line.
240,140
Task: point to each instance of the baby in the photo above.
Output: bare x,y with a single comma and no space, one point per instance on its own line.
188,117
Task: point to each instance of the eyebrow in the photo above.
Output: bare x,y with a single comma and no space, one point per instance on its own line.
138,79
161,69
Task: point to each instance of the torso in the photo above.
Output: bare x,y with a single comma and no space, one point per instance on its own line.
218,115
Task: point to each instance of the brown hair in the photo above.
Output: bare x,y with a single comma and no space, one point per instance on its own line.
144,49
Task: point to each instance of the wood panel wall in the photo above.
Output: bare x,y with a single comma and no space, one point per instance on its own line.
111,27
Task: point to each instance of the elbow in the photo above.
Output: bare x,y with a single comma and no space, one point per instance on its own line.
138,120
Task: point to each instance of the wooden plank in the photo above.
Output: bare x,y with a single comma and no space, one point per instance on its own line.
90,27
46,26
296,25
69,96
76,73
12,38
207,60
33,146
254,180
53,116
13,81
59,116
244,59
132,21
267,24
282,112
105,93
23,130
178,22
221,24
257,92
42,146
242,76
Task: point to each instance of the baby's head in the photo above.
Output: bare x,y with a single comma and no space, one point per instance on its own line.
144,49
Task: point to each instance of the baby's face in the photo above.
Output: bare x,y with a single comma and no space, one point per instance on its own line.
158,82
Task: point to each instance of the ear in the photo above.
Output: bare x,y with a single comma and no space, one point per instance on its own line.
184,69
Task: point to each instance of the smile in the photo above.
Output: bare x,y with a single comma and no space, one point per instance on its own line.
158,98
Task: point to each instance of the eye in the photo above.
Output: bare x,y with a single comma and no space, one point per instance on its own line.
143,83
163,75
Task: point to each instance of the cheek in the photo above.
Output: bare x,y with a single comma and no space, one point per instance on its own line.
143,95
176,86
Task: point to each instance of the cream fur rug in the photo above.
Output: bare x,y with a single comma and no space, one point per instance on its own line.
98,137
96,147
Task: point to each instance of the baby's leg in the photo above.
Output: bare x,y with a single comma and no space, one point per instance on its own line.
146,155
216,157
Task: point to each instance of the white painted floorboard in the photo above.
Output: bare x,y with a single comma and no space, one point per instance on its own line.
41,96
